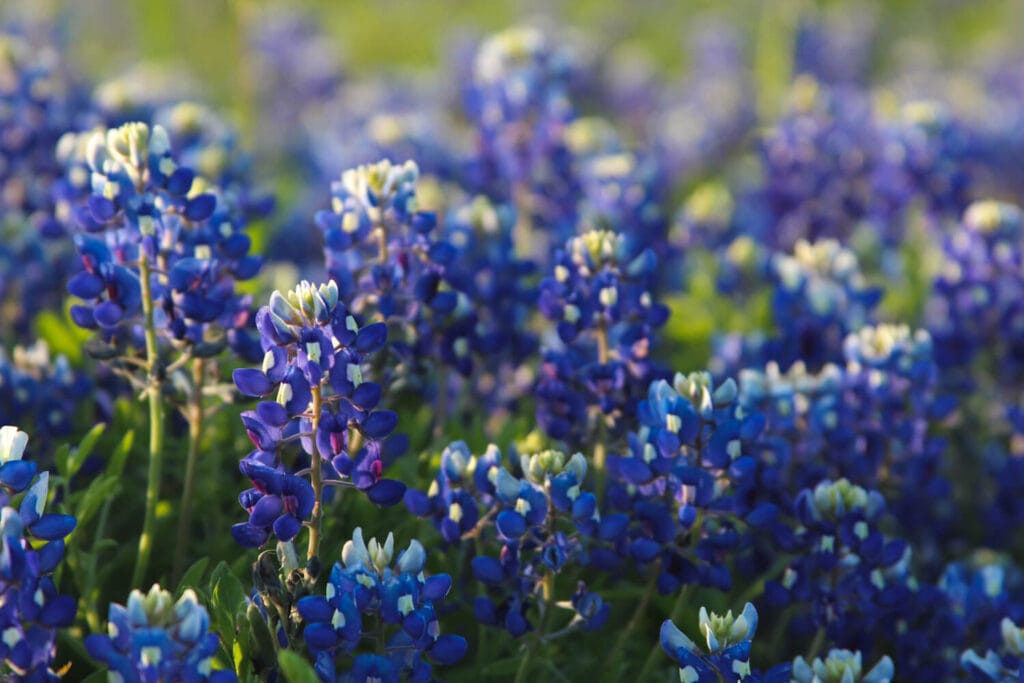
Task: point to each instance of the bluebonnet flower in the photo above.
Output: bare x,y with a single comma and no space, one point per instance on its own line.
32,609
314,353
42,392
935,153
544,523
727,655
819,297
975,308
399,117
624,192
365,585
600,299
841,666
389,265
153,638
450,501
204,142
824,168
520,100
835,47
294,65
870,420
685,481
145,206
995,667
489,336
1003,472
38,101
845,571
980,592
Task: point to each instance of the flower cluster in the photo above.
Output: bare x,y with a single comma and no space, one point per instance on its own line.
365,586
847,574
727,657
37,106
543,523
824,168
152,229
42,392
520,101
684,481
154,638
975,309
32,607
841,666
872,420
314,355
605,315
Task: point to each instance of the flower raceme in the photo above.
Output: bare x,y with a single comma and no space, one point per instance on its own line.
143,205
154,638
31,548
314,354
372,583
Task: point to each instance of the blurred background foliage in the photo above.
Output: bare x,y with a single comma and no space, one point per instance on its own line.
206,37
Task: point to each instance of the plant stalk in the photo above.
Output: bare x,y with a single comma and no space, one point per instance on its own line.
195,433
156,426
318,487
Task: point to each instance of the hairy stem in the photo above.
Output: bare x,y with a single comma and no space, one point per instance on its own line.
156,426
195,433
318,486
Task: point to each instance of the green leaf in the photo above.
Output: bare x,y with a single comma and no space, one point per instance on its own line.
227,601
295,668
193,575
96,677
99,491
60,458
262,645
120,454
503,667
220,570
85,446
61,335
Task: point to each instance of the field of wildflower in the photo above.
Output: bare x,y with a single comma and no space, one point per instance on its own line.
379,342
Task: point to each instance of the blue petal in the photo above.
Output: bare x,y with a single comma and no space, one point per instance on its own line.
201,207
386,492
17,474
510,524
252,382
448,649
379,423
51,527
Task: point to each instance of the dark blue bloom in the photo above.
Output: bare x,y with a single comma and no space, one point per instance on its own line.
153,638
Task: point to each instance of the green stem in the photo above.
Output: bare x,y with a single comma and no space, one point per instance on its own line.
816,644
676,615
93,615
612,663
195,433
441,414
156,427
603,353
522,233
524,665
318,488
